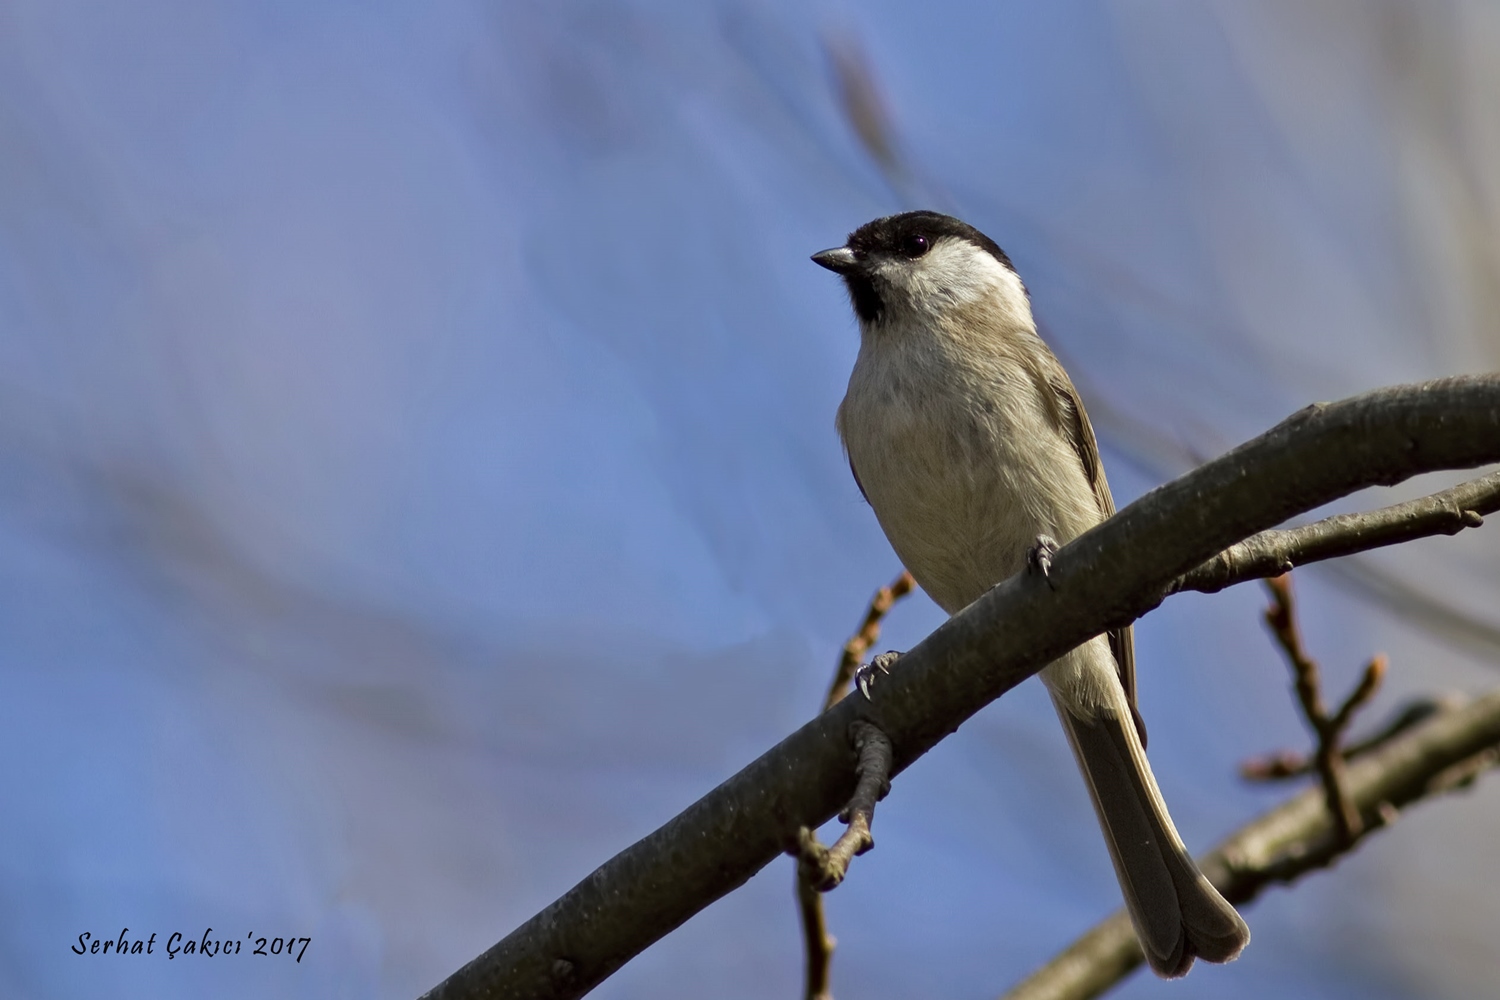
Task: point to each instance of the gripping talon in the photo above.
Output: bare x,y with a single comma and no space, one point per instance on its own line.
1039,556
864,677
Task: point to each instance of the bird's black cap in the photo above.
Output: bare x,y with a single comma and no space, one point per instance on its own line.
890,236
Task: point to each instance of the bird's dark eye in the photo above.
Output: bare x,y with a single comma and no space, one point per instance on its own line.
914,246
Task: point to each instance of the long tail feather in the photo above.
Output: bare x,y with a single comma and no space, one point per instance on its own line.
1178,914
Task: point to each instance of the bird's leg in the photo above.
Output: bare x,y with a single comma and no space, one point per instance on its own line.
1039,556
825,867
864,677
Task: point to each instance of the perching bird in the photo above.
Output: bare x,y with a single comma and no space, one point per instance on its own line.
971,444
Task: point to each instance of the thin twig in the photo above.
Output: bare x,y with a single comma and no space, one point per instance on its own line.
818,944
1449,749
865,638
1327,729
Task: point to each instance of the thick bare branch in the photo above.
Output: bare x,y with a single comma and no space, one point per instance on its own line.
1104,579
1274,552
1448,749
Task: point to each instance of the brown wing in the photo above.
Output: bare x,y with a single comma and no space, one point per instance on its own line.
855,473
1075,424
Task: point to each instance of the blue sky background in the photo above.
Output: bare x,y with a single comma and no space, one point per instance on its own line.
418,476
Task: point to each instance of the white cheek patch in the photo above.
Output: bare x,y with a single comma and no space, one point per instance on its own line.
953,273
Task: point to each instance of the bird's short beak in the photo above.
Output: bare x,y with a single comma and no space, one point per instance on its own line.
839,260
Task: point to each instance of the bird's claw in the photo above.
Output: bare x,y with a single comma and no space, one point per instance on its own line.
864,677
1039,556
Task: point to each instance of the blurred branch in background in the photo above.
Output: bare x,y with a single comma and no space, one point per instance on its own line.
1451,747
862,101
818,943
864,105
1417,606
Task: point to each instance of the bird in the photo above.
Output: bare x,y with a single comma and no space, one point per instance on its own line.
970,443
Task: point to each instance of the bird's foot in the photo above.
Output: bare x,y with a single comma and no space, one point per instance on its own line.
1039,556
864,677
825,867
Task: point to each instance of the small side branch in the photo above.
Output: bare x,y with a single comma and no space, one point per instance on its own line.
1452,746
1277,551
817,943
1328,730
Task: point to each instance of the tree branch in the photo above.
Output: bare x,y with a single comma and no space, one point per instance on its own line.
817,943
1104,579
1447,750
1328,731
1274,552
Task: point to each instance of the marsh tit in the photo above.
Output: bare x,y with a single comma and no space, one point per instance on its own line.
971,444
